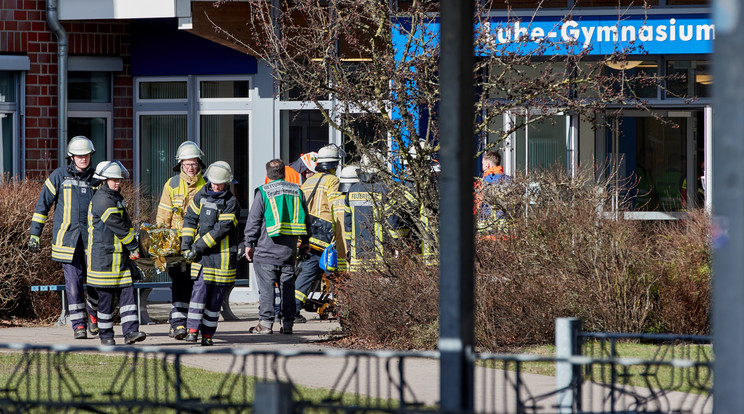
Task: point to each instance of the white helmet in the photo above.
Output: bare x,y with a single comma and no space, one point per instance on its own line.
80,145
219,172
370,164
329,153
347,177
188,150
348,174
110,169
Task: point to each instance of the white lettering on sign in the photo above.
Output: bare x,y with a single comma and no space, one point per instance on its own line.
586,34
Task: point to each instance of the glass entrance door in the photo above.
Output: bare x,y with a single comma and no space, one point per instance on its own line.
658,158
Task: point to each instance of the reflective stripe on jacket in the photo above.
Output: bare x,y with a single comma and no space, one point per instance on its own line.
369,223
340,210
321,204
210,227
72,191
178,191
111,238
283,210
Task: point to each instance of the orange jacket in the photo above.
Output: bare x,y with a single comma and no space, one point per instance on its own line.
290,175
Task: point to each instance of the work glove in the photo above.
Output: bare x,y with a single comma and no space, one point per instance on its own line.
33,243
189,255
134,255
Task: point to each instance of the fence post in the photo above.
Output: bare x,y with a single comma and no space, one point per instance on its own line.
273,398
566,374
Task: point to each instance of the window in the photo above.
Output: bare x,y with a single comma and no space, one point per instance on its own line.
213,111
302,131
225,138
89,87
368,129
159,137
163,90
224,89
6,137
689,78
10,90
541,144
635,78
90,110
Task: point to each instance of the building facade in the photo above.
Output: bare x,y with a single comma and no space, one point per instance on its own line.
140,77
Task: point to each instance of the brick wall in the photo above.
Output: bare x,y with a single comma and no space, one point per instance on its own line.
24,30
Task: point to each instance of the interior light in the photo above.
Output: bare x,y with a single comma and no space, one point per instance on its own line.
624,65
703,78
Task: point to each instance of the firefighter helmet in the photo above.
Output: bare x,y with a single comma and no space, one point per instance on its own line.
80,145
347,177
328,157
188,150
371,163
219,172
110,169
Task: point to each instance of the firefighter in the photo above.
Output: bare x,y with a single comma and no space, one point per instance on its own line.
319,191
347,177
210,240
178,191
112,249
370,221
71,188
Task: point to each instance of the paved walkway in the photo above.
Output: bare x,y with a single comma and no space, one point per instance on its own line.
494,389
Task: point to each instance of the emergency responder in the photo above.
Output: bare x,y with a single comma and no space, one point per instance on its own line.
71,188
277,218
210,240
347,177
319,191
178,191
112,249
370,219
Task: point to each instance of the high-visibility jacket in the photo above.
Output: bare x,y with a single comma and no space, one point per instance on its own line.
178,191
370,223
283,210
110,239
321,204
340,210
72,191
290,175
210,228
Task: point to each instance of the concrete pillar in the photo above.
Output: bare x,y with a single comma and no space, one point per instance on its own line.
567,344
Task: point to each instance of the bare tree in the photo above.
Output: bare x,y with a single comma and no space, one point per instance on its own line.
380,61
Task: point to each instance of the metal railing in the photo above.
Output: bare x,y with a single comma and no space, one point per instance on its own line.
677,378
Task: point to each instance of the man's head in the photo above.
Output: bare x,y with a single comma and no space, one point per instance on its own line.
491,159
80,149
189,159
275,169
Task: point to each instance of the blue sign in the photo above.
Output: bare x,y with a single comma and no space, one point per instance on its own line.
594,35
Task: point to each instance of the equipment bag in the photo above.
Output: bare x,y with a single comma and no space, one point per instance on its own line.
329,259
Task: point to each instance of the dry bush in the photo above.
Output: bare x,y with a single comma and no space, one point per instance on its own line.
20,269
395,305
684,262
557,252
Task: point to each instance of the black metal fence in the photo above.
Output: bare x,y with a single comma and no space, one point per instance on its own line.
675,378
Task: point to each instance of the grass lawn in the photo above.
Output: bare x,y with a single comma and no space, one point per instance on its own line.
94,378
684,379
